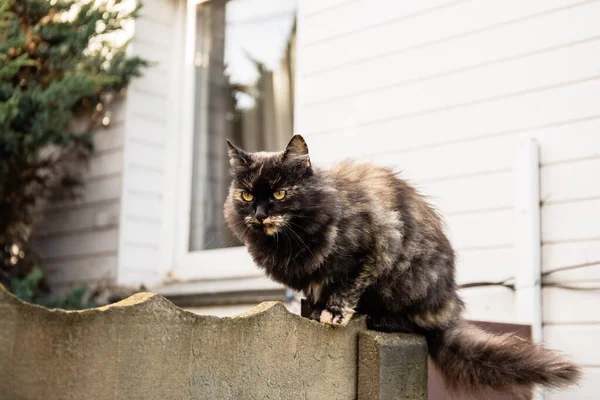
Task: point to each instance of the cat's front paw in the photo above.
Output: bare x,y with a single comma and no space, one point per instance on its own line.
336,316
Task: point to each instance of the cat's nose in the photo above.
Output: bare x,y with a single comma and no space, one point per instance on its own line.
260,214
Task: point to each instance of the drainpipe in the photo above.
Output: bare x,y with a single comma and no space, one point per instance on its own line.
528,279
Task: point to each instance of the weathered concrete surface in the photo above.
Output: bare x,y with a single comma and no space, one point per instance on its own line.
392,366
146,348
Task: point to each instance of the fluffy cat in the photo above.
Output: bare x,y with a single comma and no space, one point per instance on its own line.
357,238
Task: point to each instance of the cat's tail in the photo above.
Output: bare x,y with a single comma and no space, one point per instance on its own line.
472,361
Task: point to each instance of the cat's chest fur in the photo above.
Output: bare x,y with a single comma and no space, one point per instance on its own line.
314,263
296,260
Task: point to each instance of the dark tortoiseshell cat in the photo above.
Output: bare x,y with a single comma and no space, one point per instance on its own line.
359,239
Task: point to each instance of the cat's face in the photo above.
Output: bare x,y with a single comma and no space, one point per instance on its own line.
269,190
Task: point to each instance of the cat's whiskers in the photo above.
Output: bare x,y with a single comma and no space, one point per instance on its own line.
286,227
210,241
298,226
231,241
302,216
289,244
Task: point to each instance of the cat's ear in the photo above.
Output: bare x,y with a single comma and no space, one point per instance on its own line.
296,152
238,158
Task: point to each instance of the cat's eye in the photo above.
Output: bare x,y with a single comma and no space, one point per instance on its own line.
247,196
279,194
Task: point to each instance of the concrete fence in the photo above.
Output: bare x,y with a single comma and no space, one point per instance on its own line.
147,348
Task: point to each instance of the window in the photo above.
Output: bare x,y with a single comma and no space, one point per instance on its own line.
243,72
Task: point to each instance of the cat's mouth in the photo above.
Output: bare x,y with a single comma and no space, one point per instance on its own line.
269,225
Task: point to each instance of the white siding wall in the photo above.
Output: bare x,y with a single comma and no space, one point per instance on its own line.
442,90
78,240
149,138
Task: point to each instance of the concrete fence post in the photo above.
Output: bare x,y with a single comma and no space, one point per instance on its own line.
392,366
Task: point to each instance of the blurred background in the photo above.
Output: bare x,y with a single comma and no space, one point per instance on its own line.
491,108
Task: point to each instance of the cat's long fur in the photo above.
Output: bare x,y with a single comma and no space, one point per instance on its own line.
358,238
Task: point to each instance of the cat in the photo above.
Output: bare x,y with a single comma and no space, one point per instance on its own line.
359,239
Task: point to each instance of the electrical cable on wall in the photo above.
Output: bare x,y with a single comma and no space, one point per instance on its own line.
506,283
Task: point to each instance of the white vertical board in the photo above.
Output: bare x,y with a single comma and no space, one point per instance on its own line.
528,237
528,242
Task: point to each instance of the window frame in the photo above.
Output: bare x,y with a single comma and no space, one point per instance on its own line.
212,264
